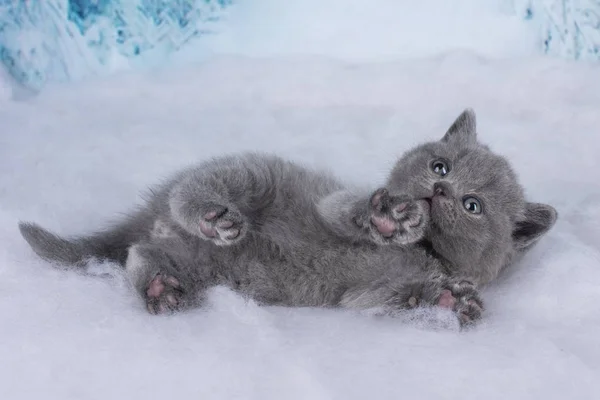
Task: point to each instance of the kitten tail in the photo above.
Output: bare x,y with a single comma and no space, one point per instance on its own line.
51,247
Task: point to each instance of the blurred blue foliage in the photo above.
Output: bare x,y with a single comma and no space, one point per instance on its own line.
568,28
59,40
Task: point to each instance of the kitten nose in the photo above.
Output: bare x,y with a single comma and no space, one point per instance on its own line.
441,189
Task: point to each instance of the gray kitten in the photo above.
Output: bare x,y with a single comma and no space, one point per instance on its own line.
451,216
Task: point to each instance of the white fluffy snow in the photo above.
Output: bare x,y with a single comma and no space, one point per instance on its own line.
76,156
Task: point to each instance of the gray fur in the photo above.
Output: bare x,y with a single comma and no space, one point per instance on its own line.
286,235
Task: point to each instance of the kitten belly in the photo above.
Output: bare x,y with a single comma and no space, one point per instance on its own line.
272,273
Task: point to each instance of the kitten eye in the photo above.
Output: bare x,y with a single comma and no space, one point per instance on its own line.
440,167
472,205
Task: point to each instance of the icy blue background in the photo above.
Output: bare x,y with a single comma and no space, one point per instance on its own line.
60,40
568,28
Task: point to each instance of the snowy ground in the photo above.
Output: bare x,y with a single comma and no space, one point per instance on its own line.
76,156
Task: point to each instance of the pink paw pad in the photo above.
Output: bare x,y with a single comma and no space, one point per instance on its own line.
207,230
400,207
376,199
214,226
161,294
210,215
385,226
159,283
446,299
156,287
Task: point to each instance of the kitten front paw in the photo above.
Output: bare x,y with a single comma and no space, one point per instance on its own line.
222,225
395,219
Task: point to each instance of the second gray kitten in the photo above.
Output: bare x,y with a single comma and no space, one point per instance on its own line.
451,216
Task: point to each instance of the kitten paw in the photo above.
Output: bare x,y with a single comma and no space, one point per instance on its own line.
164,295
463,299
395,219
460,296
223,226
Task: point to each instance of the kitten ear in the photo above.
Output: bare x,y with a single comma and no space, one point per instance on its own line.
537,221
463,130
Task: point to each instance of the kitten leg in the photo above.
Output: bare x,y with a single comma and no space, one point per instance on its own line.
379,217
458,295
165,284
216,200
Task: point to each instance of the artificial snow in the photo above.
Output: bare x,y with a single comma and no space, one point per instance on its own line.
77,156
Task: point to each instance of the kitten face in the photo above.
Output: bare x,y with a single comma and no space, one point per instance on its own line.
478,210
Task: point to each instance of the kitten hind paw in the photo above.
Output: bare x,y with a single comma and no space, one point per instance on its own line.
164,295
462,298
459,296
222,225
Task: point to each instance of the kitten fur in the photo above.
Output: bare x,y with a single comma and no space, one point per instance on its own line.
451,216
